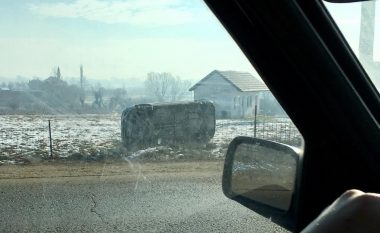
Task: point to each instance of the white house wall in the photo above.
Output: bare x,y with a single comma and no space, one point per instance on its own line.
244,104
229,102
217,90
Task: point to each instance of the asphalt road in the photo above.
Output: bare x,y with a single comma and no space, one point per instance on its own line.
168,202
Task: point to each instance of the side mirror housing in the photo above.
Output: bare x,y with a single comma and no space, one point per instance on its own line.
262,175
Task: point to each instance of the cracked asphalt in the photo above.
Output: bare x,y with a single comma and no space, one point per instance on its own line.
165,202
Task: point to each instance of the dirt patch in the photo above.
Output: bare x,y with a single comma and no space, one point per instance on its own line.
75,169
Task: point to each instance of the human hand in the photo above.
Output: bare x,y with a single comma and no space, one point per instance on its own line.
353,212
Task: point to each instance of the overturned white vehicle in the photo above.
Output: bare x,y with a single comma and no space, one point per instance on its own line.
180,123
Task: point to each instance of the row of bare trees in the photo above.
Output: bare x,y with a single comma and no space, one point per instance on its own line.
165,87
55,94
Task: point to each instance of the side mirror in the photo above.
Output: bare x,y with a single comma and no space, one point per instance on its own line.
262,175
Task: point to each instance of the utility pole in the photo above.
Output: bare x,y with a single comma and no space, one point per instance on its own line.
81,77
82,93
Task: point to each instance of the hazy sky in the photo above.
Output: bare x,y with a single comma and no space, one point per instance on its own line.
124,39
114,39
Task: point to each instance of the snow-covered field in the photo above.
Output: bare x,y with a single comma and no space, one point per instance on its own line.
26,138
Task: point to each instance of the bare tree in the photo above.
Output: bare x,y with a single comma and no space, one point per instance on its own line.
98,95
118,100
11,85
178,88
158,85
166,87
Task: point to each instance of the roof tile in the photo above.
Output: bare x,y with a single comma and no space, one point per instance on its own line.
243,81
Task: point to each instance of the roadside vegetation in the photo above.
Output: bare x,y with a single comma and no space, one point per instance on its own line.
25,139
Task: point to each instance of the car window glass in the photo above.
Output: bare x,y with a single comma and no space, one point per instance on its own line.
359,22
116,116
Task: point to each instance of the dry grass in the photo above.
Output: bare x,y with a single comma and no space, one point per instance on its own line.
83,169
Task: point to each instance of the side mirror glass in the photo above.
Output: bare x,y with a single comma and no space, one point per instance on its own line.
262,175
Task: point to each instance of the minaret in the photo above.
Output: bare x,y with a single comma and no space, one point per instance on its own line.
81,77
58,73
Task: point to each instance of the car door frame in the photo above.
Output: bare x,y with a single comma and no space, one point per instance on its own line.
310,69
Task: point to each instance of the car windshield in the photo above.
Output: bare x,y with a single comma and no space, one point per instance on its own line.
359,22
115,116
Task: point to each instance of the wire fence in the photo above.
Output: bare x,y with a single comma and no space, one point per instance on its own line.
27,136
279,129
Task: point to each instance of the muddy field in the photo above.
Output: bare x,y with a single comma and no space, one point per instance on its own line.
25,139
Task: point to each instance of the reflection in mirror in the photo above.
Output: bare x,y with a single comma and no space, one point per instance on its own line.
264,174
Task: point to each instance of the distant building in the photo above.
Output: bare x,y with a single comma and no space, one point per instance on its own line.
233,93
